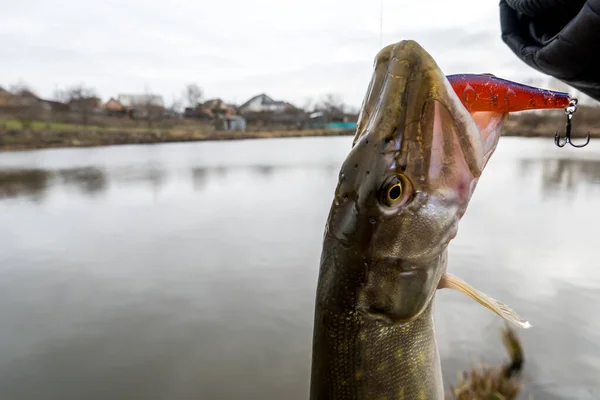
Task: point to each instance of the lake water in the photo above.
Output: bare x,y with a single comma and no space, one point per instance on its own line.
188,271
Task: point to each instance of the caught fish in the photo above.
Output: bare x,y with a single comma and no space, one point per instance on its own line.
415,161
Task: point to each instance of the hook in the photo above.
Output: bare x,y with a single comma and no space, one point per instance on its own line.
570,110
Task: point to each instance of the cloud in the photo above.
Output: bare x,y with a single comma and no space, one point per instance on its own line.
238,49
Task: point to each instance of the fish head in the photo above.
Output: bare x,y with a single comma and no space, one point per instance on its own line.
406,183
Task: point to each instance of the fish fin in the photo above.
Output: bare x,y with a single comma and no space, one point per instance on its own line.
452,282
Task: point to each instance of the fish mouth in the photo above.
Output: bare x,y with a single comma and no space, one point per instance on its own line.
411,108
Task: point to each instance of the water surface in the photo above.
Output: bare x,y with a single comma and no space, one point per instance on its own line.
188,271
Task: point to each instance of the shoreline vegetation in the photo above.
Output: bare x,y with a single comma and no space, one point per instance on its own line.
41,135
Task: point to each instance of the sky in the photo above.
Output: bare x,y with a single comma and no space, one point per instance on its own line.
234,49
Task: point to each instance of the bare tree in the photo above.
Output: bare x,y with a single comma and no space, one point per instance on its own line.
60,95
332,106
81,99
193,94
28,106
176,106
152,108
20,87
331,102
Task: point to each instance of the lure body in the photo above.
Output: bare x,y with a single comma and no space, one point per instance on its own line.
485,92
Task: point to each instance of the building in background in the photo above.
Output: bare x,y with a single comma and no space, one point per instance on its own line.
262,110
230,123
210,110
142,106
114,107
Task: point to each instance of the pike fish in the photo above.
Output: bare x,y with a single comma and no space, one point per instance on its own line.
415,161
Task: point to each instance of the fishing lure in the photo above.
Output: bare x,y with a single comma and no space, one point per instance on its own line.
486,92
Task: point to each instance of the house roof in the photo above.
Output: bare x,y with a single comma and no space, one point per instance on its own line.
113,104
56,105
216,103
5,95
209,107
213,103
20,98
54,102
26,93
266,100
92,99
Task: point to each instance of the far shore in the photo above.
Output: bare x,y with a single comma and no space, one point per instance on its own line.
30,139
22,140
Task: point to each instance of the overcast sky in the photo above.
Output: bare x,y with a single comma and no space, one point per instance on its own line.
235,49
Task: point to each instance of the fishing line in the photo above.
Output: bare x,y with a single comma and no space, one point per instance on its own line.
381,24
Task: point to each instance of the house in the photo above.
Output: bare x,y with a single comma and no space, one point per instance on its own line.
54,107
210,110
85,104
142,105
23,103
198,112
5,96
262,103
230,123
26,103
331,119
263,110
219,107
114,107
21,99
26,98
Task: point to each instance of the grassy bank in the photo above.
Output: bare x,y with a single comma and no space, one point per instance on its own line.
28,139
39,135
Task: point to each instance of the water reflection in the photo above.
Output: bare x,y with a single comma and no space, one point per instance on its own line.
557,176
199,177
264,170
154,174
563,176
89,180
94,180
23,182
35,182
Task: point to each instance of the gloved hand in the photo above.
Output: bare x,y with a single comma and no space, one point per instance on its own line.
560,38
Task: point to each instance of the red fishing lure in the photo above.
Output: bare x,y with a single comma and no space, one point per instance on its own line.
486,92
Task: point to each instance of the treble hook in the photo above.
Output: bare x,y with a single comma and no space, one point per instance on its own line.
570,110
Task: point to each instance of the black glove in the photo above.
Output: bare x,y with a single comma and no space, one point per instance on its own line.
560,38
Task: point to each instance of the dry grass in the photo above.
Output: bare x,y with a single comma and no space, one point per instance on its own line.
493,383
32,139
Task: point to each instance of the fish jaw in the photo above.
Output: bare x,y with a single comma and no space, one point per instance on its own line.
412,126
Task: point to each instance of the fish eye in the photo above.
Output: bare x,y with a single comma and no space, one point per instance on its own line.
394,190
